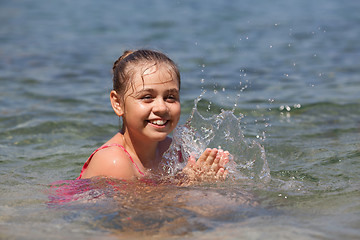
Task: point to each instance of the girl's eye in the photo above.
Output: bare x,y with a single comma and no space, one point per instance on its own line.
171,98
146,98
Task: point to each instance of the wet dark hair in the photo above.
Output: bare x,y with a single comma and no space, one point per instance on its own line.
126,66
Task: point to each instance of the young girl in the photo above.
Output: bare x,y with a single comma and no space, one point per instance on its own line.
146,95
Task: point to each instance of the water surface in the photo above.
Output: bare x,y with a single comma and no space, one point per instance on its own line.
287,71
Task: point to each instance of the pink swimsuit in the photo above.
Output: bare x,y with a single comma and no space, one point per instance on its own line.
103,147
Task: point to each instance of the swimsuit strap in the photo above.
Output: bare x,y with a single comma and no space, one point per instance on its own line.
107,146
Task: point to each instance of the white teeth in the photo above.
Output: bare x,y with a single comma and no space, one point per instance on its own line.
159,122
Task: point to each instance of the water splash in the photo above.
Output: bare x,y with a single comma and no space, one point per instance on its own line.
248,160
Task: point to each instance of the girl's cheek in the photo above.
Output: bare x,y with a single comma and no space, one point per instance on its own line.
175,108
141,105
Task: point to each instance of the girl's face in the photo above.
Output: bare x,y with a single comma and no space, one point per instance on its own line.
152,104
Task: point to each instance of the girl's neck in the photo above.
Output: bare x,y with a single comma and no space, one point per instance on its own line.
145,151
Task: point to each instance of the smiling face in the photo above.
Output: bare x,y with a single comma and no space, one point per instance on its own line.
151,105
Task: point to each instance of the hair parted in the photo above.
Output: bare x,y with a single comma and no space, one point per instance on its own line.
126,65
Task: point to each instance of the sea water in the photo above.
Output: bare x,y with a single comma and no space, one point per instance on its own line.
274,83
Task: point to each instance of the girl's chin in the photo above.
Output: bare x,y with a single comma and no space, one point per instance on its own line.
159,138
158,133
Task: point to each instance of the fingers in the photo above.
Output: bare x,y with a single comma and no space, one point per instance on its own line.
224,158
221,174
206,159
212,156
204,156
209,167
218,170
216,164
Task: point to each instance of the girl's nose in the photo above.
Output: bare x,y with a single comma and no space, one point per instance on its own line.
160,106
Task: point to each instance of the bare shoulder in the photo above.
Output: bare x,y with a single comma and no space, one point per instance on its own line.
110,162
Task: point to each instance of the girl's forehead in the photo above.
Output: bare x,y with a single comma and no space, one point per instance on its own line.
154,75
152,69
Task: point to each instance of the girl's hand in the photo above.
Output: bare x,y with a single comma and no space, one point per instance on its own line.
209,167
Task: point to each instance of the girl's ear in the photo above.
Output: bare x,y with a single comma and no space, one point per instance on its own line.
116,103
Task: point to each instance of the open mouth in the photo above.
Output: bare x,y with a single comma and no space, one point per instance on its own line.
158,122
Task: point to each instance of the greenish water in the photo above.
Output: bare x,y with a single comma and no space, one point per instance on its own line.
283,78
